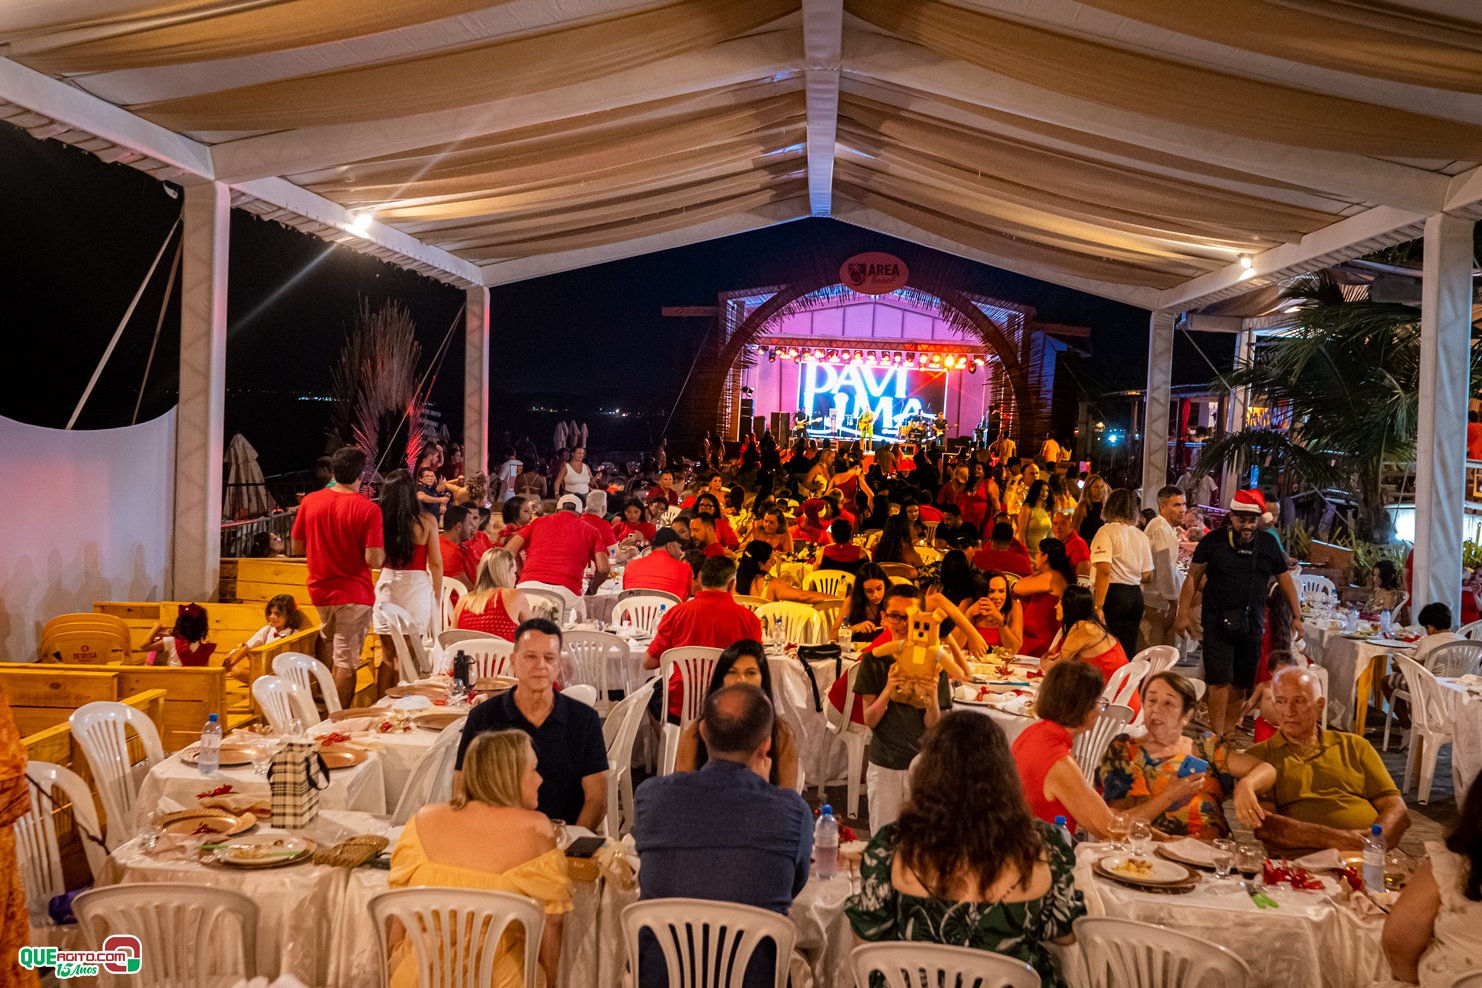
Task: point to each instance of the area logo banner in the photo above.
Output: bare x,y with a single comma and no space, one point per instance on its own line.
874,273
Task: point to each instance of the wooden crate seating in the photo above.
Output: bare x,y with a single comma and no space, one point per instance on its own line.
43,695
261,580
230,624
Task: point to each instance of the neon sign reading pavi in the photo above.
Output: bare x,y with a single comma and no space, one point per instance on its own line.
834,397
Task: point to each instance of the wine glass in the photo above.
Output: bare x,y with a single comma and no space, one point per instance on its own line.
1118,829
261,751
1140,833
1223,855
563,837
152,829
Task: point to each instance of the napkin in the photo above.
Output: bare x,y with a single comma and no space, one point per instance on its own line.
1192,850
411,703
1470,679
965,692
1324,860
358,725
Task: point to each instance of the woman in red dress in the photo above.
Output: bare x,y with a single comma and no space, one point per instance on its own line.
494,606
1040,595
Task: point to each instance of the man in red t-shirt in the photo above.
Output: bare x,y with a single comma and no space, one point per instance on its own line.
665,489
338,532
662,569
707,540
1076,549
459,562
711,618
557,550
1003,553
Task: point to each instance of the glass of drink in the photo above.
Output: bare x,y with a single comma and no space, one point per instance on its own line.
261,751
1118,829
1248,861
563,838
1140,833
152,830
1223,854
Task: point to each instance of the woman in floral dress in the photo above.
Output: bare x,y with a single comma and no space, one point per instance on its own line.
966,864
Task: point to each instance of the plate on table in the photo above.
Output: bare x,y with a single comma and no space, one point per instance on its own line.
355,713
493,684
437,720
1140,872
1391,643
261,851
1185,853
342,756
429,691
232,754
205,822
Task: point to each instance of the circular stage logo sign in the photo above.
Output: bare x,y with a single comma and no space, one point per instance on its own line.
874,273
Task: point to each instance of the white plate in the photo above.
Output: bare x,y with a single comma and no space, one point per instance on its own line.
262,850
1159,872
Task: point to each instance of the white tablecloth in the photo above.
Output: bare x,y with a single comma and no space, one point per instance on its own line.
1309,941
1012,724
360,787
1466,735
397,753
1349,662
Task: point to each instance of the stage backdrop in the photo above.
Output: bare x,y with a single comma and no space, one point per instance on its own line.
86,516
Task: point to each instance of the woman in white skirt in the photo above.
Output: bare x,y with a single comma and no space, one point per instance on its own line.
411,580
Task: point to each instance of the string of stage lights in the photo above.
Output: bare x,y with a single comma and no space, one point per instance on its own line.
933,359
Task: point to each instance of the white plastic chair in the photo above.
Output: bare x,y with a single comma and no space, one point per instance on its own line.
800,622
1122,953
911,965
453,591
455,933
1471,632
545,603
1091,745
412,663
582,693
99,728
1159,658
620,732
446,644
641,613
856,738
749,602
282,702
599,660
707,943
490,656
1320,673
1471,979
648,592
1455,659
1430,723
834,582
1314,583
174,923
37,852
431,780
695,664
1123,684
304,671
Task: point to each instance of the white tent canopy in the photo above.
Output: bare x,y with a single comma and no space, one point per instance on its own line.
1155,152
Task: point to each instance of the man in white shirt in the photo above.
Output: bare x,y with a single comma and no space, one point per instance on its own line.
1160,595
1200,490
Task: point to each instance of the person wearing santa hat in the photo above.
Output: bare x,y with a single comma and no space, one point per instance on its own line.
1235,567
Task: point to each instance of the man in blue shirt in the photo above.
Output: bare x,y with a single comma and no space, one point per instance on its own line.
724,832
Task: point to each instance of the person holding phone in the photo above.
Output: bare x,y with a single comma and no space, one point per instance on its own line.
1191,776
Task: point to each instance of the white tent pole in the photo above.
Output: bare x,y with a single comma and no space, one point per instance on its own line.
1441,439
159,325
1155,410
98,371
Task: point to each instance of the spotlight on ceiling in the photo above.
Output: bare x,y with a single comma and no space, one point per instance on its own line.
1246,262
771,356
360,223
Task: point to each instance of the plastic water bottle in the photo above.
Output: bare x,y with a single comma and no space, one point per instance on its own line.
846,639
826,845
1374,859
1386,622
208,753
1061,822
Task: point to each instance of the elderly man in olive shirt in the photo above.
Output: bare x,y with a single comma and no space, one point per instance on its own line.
1330,787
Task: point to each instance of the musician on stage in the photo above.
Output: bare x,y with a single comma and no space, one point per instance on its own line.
866,427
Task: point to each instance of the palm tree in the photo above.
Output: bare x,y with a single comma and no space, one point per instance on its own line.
1349,372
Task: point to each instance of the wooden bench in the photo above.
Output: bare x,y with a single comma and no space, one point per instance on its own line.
260,580
231,624
46,694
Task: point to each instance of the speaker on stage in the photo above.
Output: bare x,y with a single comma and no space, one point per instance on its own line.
748,405
782,427
758,425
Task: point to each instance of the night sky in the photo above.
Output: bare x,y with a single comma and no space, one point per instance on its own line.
79,235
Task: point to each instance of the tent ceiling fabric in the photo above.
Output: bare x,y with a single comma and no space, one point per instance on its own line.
530,134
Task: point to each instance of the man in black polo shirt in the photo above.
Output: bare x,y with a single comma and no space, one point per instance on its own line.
1235,565
566,734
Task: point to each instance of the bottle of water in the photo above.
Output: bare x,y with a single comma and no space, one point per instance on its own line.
826,845
1064,826
846,638
1386,621
1374,859
208,753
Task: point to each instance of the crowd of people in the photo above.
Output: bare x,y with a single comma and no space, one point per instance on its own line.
962,822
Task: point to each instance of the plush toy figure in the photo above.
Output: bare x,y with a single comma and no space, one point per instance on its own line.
920,654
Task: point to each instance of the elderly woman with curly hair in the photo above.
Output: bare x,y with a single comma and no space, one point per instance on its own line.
967,864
